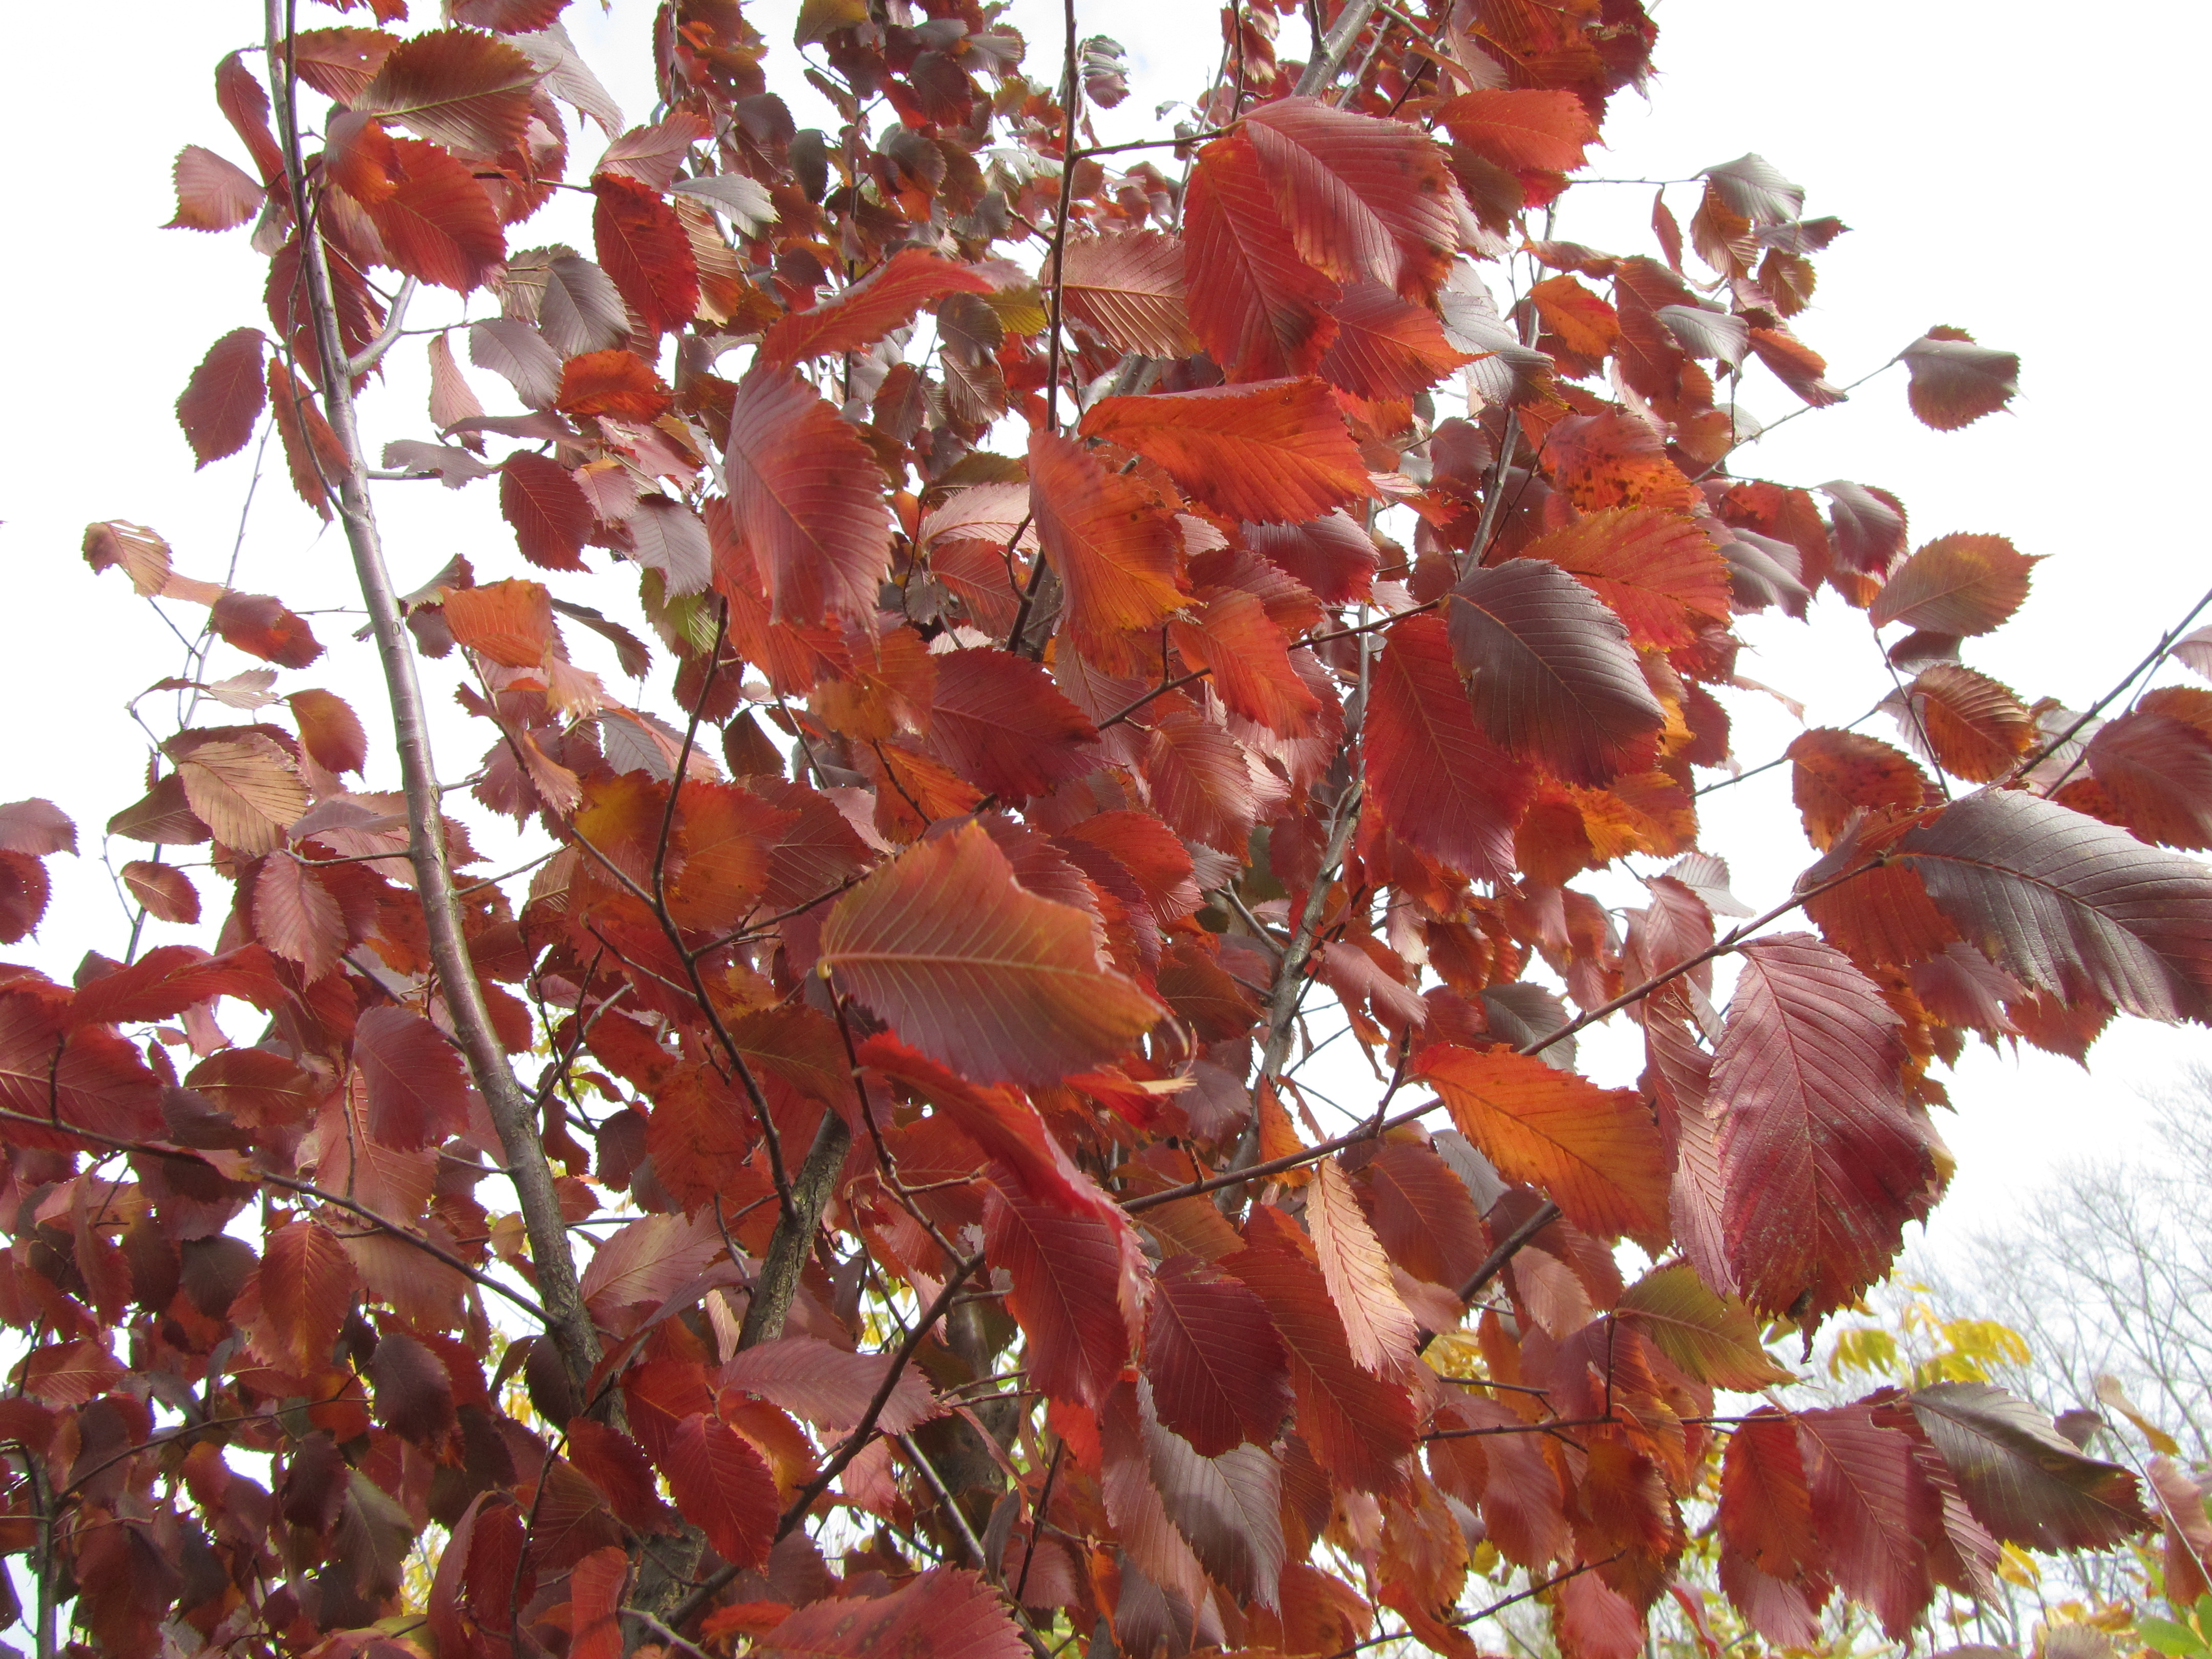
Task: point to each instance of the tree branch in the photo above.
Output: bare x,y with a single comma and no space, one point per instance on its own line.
567,1321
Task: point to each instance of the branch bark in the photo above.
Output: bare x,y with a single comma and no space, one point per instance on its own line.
568,1324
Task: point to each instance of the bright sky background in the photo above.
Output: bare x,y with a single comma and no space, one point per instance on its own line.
1961,142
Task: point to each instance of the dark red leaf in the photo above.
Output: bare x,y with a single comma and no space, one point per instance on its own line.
416,1093
223,402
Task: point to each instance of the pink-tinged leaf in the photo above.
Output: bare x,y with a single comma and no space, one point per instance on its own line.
828,1386
807,497
1113,546
1127,287
69,1373
456,88
37,828
856,318
223,402
1956,585
509,623
1273,453
722,1487
1553,676
595,1590
297,917
1523,130
418,1095
1228,1508
644,1261
1596,1152
2070,905
547,509
308,1286
643,246
1360,1426
1331,555
1825,1159
999,721
1066,1275
940,1615
165,891
438,224
2022,1480
1217,1368
330,731
1378,1327
245,789
974,971
1366,199
1955,382
2154,765
213,192
1443,787
1200,781
1259,308
1874,1510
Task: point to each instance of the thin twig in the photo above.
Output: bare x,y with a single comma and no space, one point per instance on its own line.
2158,652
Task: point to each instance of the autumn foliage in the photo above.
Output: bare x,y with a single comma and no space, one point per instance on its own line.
1106,605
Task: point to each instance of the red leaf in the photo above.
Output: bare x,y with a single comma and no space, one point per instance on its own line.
721,847
166,891
1200,781
437,224
308,1286
2071,905
1658,571
223,402
1825,1160
1766,1506
547,509
1523,130
1554,678
1127,287
807,496
36,827
297,916
330,731
1276,451
1387,347
1000,722
246,106
595,1589
857,317
1331,555
416,1093
617,1466
455,87
259,626
1442,786
1250,662
828,1386
213,192
1218,1371
642,247
1957,585
1113,547
1874,1511
1358,1426
722,1487
414,1390
169,979
615,383
1067,1272
1365,198
1260,310
1835,774
2154,762
24,891
939,1614
975,972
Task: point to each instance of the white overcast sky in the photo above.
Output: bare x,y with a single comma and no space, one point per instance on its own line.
2004,171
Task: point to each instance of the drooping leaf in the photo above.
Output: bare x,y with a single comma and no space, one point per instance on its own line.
213,192
1443,785
1378,1327
1128,287
1955,382
1825,1161
1874,1510
1216,1365
1261,311
437,223
1274,452
1766,1504
1596,1152
417,1094
722,1487
2024,1481
1966,723
223,402
1228,1508
458,88
642,247
807,496
1553,676
1067,1278
2070,905
2154,764
307,1284
976,972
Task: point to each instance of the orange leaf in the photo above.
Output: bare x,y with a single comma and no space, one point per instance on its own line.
642,247
1523,130
1658,571
856,318
1250,662
1276,451
807,497
509,622
1260,310
1114,548
1596,1152
617,383
974,971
